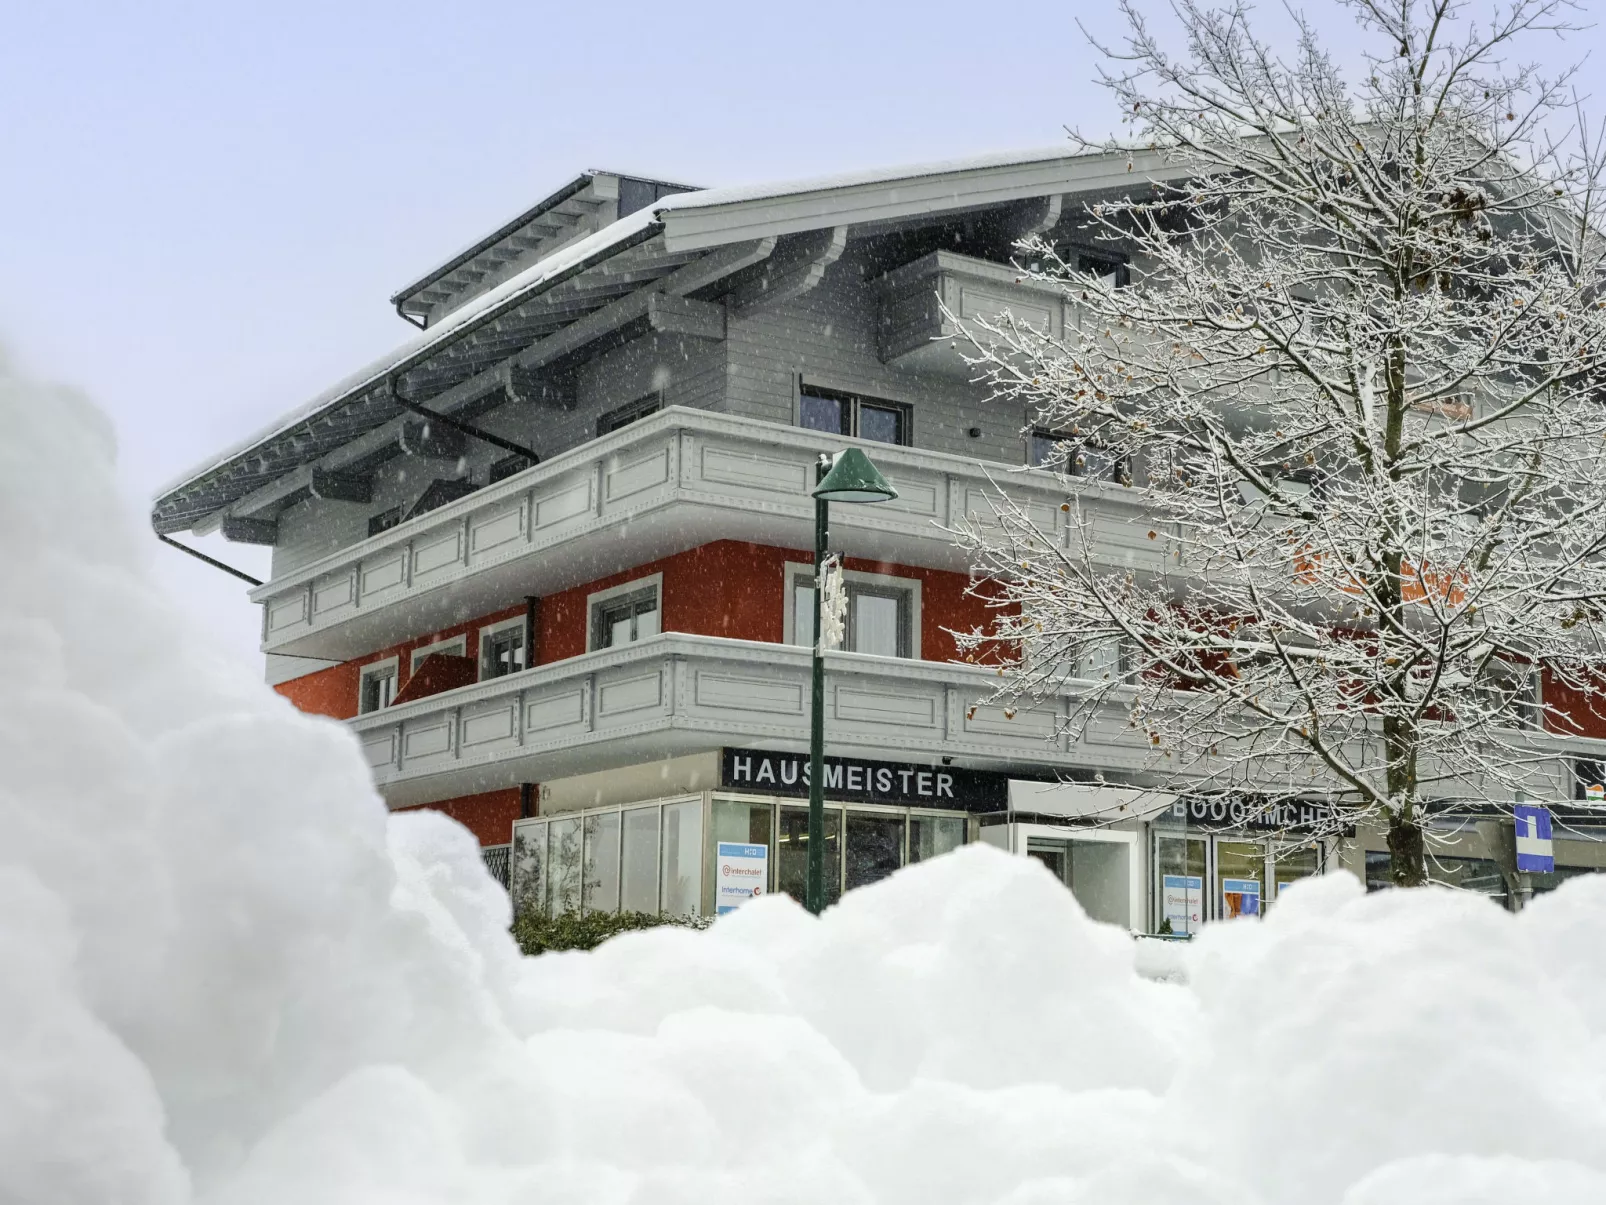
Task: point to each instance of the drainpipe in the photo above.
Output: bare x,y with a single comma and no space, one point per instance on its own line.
532,609
201,556
469,429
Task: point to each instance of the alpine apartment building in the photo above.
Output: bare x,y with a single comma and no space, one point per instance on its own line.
551,558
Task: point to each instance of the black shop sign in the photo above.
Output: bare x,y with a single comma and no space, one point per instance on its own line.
859,780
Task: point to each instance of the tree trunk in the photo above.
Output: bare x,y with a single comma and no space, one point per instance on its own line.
1407,857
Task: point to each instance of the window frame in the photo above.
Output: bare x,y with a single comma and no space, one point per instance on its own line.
911,631
855,402
458,643
489,632
386,667
1120,466
384,520
621,417
598,598
510,465
1120,265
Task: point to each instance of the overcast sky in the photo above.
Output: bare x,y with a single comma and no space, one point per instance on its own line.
207,205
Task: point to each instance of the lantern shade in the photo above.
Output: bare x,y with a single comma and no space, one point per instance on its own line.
853,478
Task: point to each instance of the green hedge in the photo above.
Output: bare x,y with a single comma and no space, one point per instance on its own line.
536,934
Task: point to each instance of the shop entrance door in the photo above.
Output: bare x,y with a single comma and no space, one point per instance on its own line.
1097,873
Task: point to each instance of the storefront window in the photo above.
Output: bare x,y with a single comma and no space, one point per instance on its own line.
933,835
792,853
1293,864
563,866
528,869
638,888
683,858
1470,874
1180,869
742,822
1543,882
875,847
600,889
1241,874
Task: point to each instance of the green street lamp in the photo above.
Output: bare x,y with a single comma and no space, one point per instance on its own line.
849,476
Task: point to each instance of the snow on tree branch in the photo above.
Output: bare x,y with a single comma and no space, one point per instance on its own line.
1355,380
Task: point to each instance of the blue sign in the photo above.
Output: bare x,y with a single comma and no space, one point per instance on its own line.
1536,852
741,873
1240,897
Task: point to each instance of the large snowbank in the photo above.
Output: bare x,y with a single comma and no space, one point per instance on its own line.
228,977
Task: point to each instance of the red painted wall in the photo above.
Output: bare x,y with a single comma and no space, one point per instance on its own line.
1580,716
488,816
728,588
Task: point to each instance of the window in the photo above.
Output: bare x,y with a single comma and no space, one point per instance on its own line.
625,613
625,415
1103,264
507,466
384,520
1075,456
848,414
377,686
457,646
883,612
502,649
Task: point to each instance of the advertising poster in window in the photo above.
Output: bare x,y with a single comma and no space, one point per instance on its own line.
1240,897
740,872
1182,904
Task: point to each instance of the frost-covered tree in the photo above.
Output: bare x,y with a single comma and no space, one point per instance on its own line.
1355,377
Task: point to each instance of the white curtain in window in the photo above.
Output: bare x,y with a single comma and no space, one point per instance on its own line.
647,624
803,614
875,619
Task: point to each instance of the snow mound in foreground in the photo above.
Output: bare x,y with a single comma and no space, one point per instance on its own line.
230,978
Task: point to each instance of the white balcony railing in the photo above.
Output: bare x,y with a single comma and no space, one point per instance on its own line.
675,480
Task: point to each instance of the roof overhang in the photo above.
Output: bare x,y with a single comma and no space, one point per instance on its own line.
578,291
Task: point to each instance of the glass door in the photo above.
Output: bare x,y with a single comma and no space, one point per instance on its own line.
1180,874
792,853
1240,877
1291,863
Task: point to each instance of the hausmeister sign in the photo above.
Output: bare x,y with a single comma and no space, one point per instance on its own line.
858,780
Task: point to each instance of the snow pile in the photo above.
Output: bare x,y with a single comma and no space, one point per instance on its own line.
229,979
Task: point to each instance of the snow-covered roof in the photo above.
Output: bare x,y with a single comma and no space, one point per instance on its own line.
681,225
585,204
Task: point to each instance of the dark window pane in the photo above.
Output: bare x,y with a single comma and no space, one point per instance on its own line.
1090,461
883,423
875,847
792,853
507,466
933,835
820,413
504,653
1100,265
1045,451
384,521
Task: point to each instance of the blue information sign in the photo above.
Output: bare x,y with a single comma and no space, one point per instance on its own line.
1535,851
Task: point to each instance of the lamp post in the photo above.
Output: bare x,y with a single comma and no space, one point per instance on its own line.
849,476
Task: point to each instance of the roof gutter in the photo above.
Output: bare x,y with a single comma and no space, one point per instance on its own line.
649,230
578,184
